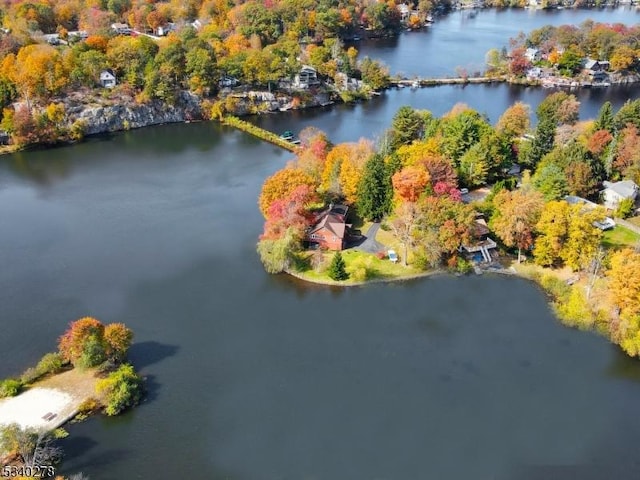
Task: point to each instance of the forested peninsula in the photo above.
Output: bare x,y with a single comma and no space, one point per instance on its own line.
456,193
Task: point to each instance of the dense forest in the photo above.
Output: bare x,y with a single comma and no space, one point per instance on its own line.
51,49
411,181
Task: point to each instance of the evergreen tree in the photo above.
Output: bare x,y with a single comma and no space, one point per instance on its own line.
375,190
407,125
605,118
543,141
337,270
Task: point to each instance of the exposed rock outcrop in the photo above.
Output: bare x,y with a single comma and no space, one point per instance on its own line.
97,118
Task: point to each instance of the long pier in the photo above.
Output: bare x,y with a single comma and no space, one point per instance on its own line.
258,132
430,82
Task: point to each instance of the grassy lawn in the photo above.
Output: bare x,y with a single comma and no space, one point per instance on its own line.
361,266
620,237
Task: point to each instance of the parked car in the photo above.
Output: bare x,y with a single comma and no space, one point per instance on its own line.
393,256
464,191
606,224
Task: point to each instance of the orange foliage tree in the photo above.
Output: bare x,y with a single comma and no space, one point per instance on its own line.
281,184
83,343
410,182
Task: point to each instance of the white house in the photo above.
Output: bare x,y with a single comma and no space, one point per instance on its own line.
533,55
165,29
107,79
121,28
306,77
614,193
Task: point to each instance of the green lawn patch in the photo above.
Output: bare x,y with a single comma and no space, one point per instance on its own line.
620,237
361,266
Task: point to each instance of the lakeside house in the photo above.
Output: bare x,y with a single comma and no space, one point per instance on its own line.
481,243
121,28
614,193
306,77
108,79
164,30
533,55
329,229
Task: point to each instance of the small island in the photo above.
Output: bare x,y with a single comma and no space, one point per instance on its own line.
555,203
87,374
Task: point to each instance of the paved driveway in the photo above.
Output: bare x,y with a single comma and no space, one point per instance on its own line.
370,244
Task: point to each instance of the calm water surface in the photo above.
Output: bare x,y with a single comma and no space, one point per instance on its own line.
462,38
252,376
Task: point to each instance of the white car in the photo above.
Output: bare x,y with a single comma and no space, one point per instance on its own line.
393,256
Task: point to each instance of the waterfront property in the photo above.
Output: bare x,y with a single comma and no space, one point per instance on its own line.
330,229
615,192
481,243
108,79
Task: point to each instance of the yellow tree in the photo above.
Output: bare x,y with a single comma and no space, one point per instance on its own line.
624,280
623,57
515,121
37,70
516,215
351,170
417,152
552,228
329,178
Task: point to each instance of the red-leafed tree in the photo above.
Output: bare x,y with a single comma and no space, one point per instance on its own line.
281,184
289,212
599,141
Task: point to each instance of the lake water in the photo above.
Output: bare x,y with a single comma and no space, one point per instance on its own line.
252,376
462,38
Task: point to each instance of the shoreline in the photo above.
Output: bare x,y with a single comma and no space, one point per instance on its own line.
183,117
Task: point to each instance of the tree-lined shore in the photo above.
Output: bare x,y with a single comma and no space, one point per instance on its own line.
413,181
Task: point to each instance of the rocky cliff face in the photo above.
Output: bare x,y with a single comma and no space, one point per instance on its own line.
98,118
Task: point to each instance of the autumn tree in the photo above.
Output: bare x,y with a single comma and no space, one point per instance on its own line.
515,121
374,74
567,235
515,217
410,182
281,184
83,344
288,213
404,222
118,339
624,288
121,389
624,281
460,130
37,71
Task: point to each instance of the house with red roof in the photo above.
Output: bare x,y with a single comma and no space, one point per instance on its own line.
330,229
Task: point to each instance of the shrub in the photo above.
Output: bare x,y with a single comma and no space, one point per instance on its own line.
50,363
463,266
30,375
121,389
625,208
10,388
557,288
